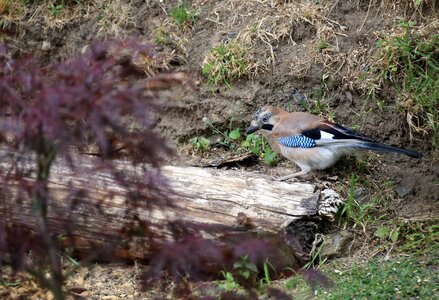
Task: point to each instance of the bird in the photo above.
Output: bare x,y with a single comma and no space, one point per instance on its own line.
311,142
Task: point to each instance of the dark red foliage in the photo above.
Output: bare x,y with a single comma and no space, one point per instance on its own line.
90,99
100,103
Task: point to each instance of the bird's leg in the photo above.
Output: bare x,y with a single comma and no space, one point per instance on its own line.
302,172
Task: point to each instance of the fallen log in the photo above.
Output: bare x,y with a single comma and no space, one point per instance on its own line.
236,200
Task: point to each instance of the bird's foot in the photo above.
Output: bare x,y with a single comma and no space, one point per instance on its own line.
288,177
293,177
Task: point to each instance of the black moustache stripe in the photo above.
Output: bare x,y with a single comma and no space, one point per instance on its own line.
267,127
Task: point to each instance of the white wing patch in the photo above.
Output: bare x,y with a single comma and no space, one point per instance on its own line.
325,135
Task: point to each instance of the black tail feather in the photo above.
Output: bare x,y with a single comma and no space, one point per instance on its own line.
385,148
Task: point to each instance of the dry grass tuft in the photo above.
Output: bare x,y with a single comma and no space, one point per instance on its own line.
280,18
260,26
11,11
48,13
409,8
407,59
113,17
227,61
173,39
152,65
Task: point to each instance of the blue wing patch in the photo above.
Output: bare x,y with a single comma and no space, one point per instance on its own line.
299,141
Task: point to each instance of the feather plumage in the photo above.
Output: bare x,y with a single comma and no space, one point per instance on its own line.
310,142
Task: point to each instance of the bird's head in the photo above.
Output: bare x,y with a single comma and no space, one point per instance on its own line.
264,119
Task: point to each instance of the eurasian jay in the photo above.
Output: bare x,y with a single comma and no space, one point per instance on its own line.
310,142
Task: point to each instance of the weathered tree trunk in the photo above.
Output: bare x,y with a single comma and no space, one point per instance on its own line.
239,201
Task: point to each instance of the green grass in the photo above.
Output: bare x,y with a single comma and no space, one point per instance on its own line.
183,14
355,213
317,103
56,7
397,278
409,61
420,239
226,62
411,272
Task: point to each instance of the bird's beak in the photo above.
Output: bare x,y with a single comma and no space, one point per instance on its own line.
254,126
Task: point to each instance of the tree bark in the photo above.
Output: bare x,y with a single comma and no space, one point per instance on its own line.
235,200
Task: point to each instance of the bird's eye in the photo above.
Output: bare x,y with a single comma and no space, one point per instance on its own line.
265,119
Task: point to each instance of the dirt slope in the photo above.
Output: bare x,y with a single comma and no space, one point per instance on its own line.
297,48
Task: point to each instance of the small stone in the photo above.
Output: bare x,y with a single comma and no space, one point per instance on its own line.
215,139
79,281
297,97
110,298
127,287
85,294
46,46
359,193
402,191
84,49
336,244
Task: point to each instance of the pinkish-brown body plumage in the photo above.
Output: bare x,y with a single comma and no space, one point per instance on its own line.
310,142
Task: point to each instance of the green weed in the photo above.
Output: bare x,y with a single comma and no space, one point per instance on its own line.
409,60
297,284
162,36
248,271
241,268
200,143
245,268
226,62
258,145
6,283
229,284
323,44
230,138
386,232
183,14
56,7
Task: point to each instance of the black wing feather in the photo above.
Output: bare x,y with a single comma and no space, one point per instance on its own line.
338,132
313,134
